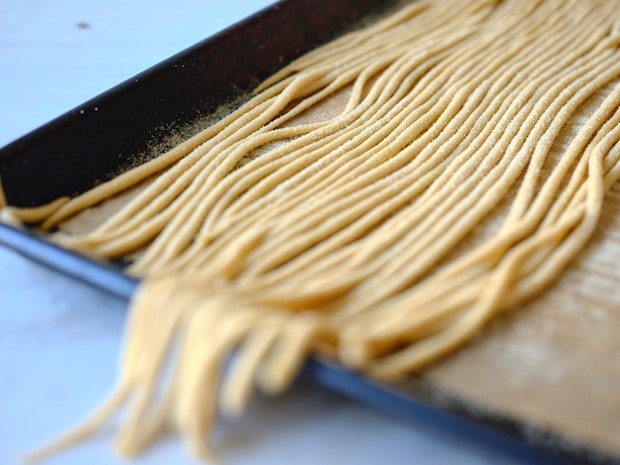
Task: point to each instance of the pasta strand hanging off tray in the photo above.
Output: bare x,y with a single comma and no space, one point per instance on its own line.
464,172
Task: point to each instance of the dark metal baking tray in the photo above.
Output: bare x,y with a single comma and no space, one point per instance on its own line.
96,140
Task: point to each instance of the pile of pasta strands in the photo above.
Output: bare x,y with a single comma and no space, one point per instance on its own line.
460,178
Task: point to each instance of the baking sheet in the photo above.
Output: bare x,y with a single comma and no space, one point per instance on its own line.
544,374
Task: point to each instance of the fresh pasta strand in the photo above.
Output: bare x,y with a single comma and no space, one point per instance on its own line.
439,194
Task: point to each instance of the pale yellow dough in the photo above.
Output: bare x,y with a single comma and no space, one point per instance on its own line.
464,172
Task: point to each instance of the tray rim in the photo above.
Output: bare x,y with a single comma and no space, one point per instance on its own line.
448,412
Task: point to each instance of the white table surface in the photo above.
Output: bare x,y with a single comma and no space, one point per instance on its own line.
59,340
